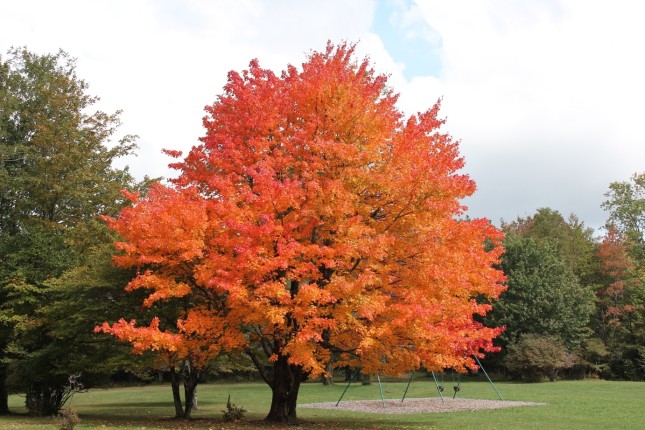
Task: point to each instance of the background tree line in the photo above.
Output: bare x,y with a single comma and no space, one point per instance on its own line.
575,301
578,297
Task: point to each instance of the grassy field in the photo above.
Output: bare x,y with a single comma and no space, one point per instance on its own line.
570,405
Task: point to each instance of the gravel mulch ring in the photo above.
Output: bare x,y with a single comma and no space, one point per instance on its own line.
414,406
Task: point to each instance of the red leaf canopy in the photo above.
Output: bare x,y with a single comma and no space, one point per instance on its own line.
315,221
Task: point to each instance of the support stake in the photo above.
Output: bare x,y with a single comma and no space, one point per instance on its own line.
378,378
352,379
488,377
407,386
438,389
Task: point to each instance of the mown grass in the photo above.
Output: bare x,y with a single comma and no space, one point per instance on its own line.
570,405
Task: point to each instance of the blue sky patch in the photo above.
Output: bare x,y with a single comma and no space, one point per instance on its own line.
407,37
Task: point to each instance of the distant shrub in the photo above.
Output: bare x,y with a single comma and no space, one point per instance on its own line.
535,357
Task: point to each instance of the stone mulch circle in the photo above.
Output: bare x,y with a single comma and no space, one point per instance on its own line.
418,405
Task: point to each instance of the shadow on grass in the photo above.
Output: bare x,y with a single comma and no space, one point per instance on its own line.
130,405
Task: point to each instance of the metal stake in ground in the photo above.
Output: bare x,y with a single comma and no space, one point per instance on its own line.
487,377
352,379
378,378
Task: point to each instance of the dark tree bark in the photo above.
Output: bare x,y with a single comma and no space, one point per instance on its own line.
175,382
284,387
191,378
4,399
348,374
327,377
4,393
43,401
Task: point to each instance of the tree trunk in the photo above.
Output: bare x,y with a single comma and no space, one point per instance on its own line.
175,381
284,387
4,400
43,401
190,377
348,374
190,386
327,377
4,394
366,379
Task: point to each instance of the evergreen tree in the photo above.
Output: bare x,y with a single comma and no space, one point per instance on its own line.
544,297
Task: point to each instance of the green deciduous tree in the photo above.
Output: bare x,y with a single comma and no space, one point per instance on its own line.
570,236
626,205
56,177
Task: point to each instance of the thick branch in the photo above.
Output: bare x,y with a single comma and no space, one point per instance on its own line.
259,366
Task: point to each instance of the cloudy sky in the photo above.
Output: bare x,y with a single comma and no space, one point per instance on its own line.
546,96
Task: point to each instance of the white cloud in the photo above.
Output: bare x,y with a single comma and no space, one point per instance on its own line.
162,62
546,95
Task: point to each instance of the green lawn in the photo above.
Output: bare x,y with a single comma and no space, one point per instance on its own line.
570,405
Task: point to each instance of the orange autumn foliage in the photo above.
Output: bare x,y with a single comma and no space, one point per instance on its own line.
315,219
618,269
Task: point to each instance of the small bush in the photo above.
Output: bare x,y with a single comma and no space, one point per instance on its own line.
535,357
232,412
67,419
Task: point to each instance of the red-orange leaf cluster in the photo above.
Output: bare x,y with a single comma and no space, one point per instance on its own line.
314,222
618,268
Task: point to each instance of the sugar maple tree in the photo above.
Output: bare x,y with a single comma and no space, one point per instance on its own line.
619,270
314,219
